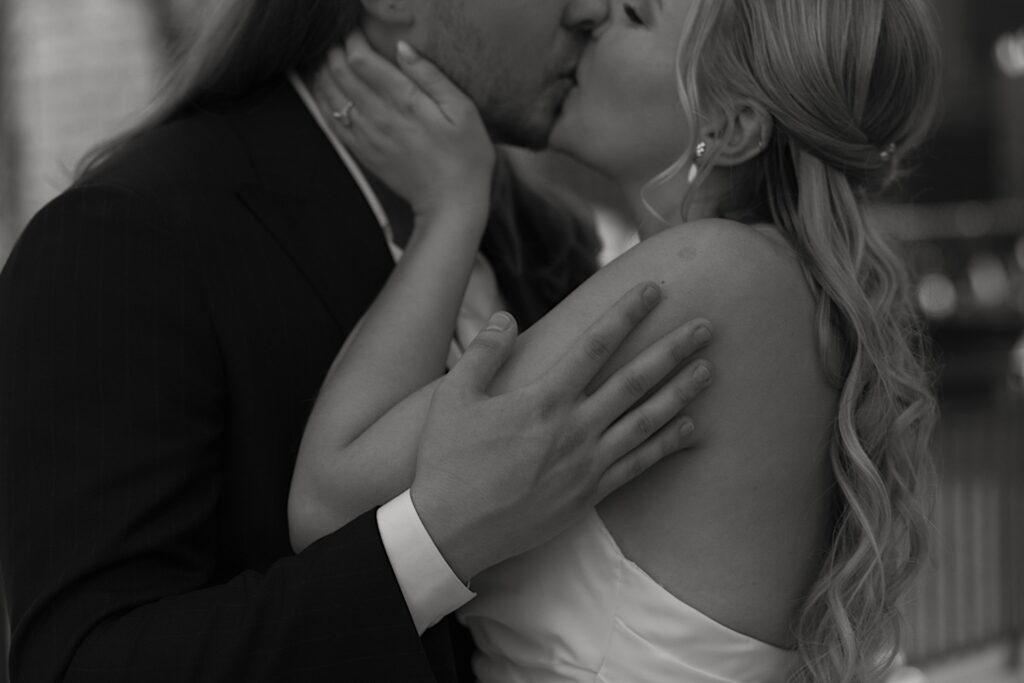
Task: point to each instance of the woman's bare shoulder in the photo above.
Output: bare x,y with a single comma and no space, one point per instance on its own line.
716,269
730,257
771,406
732,525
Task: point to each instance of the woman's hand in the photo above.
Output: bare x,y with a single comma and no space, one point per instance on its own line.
408,125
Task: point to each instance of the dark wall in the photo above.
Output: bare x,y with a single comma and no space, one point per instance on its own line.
983,109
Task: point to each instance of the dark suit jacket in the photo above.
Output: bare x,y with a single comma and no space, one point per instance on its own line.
164,328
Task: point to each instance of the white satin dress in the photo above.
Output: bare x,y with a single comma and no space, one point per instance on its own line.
576,609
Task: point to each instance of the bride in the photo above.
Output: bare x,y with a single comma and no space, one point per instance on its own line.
748,133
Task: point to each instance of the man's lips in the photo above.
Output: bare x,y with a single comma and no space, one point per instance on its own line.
570,73
563,84
568,82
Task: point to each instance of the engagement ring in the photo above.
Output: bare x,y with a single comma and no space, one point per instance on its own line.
345,114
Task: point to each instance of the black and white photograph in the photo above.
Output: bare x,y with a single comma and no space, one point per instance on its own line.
512,341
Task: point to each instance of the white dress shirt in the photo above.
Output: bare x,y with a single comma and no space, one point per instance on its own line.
430,587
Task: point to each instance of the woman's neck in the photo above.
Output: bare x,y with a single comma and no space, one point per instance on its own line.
653,208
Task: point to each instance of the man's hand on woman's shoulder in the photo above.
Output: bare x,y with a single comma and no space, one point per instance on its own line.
497,476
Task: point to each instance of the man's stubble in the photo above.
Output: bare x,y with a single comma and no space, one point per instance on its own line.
483,71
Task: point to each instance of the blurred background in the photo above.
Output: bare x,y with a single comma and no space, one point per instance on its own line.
73,72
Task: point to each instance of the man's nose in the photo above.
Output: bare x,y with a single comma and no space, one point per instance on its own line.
586,16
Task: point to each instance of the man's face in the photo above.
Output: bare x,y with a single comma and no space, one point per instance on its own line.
515,58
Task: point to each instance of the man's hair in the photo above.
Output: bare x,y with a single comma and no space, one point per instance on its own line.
241,45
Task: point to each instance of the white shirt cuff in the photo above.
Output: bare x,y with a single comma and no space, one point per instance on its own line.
430,587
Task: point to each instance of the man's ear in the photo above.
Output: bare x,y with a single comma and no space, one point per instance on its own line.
393,13
745,134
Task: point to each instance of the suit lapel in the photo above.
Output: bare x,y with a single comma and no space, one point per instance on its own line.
305,197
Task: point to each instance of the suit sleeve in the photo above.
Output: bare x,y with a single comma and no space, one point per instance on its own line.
112,410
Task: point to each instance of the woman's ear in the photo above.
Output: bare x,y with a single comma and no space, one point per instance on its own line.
394,13
746,134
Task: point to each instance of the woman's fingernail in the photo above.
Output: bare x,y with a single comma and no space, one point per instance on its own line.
500,322
686,427
702,335
652,295
406,52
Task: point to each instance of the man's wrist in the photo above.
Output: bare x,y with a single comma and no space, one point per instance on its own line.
441,522
428,583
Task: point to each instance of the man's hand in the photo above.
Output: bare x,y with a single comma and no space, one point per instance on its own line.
497,476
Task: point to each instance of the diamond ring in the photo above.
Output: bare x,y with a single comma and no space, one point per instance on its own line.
344,115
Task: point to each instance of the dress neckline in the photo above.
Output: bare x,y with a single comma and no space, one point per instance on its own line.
637,571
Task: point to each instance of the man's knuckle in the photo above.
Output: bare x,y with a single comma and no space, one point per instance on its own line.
643,425
597,347
546,405
635,385
636,468
629,470
681,395
569,441
680,351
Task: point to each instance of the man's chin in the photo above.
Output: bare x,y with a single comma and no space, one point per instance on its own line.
528,127
525,134
562,137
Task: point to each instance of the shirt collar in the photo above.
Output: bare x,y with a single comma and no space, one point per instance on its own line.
350,163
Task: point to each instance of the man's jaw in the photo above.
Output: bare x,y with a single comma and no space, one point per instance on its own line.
523,121
529,124
519,132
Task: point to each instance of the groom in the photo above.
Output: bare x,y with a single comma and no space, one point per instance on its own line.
166,324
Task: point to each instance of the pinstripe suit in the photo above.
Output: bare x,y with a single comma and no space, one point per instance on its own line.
164,329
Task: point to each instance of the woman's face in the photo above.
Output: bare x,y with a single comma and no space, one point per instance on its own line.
624,117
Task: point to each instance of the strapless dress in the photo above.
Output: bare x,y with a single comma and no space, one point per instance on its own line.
576,609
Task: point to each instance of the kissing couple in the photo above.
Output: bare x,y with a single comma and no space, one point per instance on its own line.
266,413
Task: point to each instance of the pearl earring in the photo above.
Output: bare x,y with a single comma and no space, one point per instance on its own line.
702,148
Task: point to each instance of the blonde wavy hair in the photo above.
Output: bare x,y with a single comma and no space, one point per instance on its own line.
851,87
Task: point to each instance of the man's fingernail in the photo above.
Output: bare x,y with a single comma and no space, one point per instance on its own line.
686,427
652,295
406,52
702,374
702,335
500,322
